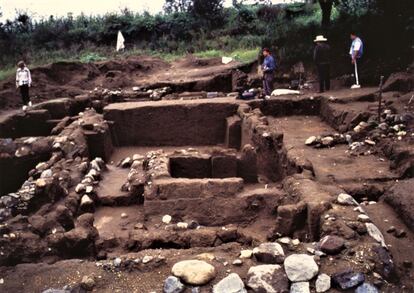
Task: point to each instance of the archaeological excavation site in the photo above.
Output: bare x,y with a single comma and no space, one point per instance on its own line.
139,176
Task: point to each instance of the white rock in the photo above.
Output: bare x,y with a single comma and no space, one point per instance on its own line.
166,219
311,140
363,218
375,233
247,253
323,283
237,262
124,216
295,242
328,140
89,189
86,200
230,284
46,173
147,259
80,188
300,267
182,225
284,240
346,199
370,142
300,287
194,272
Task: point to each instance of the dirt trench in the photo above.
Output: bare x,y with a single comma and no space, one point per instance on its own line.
113,183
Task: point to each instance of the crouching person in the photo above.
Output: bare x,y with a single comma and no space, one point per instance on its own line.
23,83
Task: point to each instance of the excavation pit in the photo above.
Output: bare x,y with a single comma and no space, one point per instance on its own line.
215,174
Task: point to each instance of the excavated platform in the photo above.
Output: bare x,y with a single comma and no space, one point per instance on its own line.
331,165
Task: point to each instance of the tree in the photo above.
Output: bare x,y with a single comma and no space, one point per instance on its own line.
326,7
172,6
208,9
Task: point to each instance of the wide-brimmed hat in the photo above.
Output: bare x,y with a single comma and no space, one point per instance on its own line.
320,39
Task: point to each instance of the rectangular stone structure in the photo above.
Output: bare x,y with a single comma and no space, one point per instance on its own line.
171,123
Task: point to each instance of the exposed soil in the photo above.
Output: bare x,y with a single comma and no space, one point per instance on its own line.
120,185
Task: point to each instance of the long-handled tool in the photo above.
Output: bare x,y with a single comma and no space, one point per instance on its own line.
357,85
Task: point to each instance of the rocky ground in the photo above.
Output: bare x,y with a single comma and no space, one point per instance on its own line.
143,190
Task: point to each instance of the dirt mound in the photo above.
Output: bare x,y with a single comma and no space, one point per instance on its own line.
69,79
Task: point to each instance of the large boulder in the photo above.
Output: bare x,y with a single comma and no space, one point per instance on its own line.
230,284
331,244
270,253
300,267
194,272
267,278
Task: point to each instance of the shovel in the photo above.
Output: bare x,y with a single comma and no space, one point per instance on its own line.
357,85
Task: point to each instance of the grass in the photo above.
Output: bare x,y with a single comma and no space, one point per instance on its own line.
95,54
241,55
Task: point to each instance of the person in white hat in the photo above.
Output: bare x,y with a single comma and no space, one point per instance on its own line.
322,58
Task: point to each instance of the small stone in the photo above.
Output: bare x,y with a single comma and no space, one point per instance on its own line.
237,262
194,272
41,166
284,240
126,163
86,201
267,278
363,218
300,267
80,188
193,225
173,285
366,288
331,244
327,140
323,283
139,226
300,287
87,283
408,264
369,142
182,225
166,219
46,173
400,233
117,262
348,280
270,253
295,242
124,216
41,183
230,284
375,233
247,253
89,189
147,259
311,140
206,256
346,199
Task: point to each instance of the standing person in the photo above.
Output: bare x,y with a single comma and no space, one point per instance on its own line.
321,56
23,82
268,67
356,51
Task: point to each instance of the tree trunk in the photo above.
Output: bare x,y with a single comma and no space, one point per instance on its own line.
326,7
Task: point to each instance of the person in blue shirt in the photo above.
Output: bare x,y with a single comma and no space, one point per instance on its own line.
268,67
